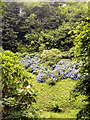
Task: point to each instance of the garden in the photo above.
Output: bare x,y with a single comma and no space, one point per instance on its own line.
45,61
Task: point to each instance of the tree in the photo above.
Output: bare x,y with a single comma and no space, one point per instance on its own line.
82,54
9,35
27,19
13,25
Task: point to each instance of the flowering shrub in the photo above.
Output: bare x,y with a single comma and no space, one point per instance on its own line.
17,94
45,73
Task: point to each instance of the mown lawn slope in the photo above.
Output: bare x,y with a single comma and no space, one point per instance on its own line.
53,101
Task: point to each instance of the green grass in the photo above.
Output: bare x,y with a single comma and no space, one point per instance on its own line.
54,100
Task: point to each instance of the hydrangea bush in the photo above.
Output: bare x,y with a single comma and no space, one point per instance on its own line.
45,73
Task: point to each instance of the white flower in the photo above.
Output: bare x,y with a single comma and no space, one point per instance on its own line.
64,5
28,87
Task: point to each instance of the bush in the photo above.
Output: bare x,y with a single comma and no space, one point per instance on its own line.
17,93
50,56
51,81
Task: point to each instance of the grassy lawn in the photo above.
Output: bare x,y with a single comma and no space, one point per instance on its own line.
54,100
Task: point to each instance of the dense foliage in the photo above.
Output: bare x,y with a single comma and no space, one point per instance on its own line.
82,53
27,29
17,93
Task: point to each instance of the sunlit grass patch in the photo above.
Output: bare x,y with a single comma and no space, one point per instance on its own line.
54,101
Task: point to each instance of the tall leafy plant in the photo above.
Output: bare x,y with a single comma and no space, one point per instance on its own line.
82,54
17,93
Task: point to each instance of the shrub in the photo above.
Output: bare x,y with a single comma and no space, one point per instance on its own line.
17,93
51,56
51,81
